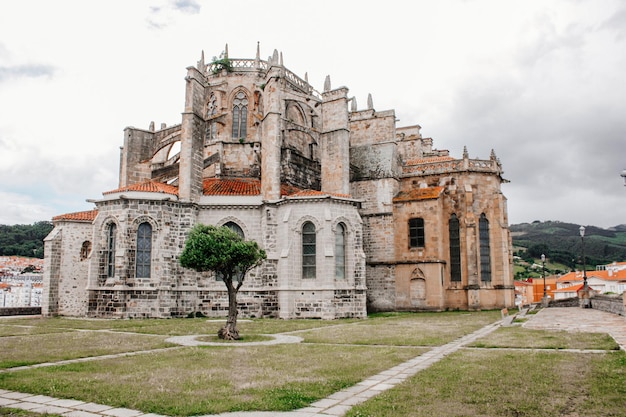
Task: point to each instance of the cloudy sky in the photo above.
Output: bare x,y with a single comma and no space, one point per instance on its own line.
542,82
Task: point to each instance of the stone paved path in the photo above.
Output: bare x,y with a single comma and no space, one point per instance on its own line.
337,404
574,319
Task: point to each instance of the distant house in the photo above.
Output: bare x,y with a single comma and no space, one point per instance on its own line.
611,279
523,293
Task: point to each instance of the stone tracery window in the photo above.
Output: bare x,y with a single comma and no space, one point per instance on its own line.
211,131
340,251
143,254
309,250
485,251
455,248
240,115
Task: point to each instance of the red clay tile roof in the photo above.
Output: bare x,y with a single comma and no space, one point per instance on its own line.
428,160
81,216
235,186
575,276
418,194
148,187
252,186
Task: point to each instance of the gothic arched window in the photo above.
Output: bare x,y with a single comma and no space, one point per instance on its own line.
485,251
308,250
110,250
235,228
143,254
211,131
455,248
240,115
340,251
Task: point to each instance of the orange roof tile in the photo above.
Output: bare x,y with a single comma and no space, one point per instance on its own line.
418,194
81,216
234,186
252,186
619,275
148,187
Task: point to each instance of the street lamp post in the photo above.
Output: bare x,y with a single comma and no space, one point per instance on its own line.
582,240
543,273
586,302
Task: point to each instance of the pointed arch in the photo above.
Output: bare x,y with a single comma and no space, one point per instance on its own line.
485,249
240,114
455,248
309,250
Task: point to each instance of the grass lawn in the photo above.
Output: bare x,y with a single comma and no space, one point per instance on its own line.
487,380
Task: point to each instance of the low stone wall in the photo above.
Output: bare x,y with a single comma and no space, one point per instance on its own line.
565,302
610,303
20,311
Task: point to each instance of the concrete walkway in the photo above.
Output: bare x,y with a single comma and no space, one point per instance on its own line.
569,319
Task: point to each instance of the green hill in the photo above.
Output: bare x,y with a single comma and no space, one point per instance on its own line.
561,243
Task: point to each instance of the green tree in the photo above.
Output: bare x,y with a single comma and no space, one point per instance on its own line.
221,250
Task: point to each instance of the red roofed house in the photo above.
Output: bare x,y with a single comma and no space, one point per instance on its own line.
355,213
608,279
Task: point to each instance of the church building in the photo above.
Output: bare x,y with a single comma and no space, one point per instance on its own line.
356,214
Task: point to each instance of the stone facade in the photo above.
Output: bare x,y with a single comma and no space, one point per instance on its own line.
355,213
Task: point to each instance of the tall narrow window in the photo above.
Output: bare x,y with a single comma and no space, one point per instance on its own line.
416,233
340,251
485,252
240,115
308,250
211,131
110,251
455,248
144,251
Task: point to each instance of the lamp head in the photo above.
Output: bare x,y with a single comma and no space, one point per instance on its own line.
582,231
543,257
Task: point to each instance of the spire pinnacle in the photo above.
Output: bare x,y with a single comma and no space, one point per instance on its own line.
370,102
327,83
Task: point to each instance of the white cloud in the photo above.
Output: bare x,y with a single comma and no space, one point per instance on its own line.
540,82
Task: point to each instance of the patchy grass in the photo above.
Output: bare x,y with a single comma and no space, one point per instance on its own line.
477,383
169,327
404,329
208,380
188,381
519,337
52,347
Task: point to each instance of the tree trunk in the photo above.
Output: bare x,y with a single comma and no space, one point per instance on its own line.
229,331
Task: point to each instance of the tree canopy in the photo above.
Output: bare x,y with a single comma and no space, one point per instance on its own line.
24,239
223,251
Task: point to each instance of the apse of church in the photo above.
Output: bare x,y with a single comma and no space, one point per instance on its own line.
355,213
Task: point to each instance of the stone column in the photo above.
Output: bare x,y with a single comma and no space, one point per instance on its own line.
335,142
271,137
191,137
